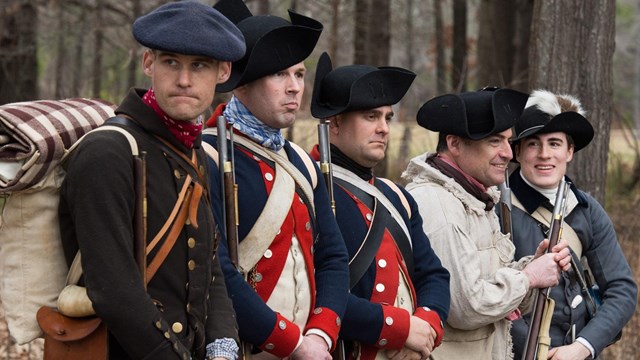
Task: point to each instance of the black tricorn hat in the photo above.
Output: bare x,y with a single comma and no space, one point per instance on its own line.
543,115
273,43
473,115
356,87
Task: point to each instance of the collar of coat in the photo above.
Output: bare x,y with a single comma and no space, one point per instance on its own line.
419,172
531,199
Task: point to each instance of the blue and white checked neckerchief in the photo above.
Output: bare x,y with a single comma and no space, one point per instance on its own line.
248,124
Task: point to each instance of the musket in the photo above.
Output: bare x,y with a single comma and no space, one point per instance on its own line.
505,206
325,169
543,307
229,189
140,214
325,160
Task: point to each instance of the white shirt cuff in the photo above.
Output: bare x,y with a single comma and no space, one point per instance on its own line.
322,334
584,342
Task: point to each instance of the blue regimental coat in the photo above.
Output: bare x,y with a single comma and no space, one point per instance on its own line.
606,260
301,281
375,315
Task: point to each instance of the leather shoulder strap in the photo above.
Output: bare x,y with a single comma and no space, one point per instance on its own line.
543,216
397,190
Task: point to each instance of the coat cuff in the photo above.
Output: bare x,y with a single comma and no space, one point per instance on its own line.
283,339
326,320
395,327
433,319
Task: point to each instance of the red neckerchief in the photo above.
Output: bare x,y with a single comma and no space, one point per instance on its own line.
185,131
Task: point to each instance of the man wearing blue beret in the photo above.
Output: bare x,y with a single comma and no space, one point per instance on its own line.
179,309
290,248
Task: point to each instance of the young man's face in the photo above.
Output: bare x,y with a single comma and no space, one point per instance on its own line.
184,85
275,99
543,158
362,135
486,159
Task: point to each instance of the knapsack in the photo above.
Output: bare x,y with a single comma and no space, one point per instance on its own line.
35,137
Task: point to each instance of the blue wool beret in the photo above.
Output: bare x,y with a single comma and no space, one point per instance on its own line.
190,28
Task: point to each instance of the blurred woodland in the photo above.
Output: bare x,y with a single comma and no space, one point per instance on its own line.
54,49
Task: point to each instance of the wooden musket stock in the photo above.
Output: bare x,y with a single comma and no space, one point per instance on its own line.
229,191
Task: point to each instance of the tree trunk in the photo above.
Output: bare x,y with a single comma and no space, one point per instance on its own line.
459,58
361,35
18,55
521,38
97,53
263,7
134,60
572,52
77,77
61,52
335,26
495,42
441,77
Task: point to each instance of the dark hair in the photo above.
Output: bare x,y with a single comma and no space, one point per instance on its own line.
442,143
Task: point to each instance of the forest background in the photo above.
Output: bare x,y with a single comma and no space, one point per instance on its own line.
55,49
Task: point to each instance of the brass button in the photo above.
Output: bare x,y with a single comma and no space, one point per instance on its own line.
201,168
167,335
188,221
158,324
189,308
177,327
177,174
191,264
191,242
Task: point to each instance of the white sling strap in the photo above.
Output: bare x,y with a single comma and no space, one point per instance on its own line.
351,178
266,227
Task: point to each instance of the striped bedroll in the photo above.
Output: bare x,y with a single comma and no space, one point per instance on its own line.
34,136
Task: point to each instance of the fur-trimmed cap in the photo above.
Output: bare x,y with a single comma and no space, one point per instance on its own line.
547,112
356,87
190,28
273,43
473,115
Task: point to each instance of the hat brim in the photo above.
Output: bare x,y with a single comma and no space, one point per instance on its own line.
381,86
276,50
569,122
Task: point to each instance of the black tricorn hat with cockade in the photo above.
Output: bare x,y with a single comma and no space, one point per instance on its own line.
356,87
273,43
473,115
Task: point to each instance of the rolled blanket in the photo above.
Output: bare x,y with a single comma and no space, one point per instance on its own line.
34,136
